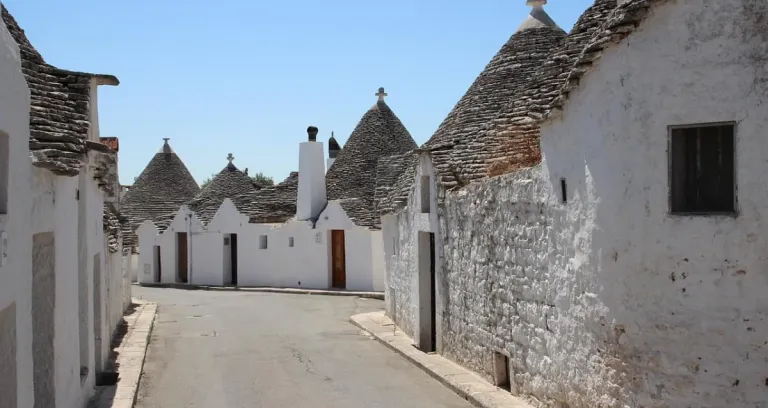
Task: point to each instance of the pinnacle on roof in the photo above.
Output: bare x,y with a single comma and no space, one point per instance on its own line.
538,17
333,147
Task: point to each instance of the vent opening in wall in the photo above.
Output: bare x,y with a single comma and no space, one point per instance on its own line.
290,242
501,371
563,191
263,242
425,198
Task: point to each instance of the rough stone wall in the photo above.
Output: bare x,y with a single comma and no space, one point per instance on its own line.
8,382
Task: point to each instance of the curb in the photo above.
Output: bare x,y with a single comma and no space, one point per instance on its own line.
130,360
294,291
463,382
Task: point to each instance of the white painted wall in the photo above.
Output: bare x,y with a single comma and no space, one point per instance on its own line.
311,196
609,300
16,271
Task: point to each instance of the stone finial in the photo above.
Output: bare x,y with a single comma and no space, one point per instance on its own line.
166,146
230,157
381,94
312,133
536,3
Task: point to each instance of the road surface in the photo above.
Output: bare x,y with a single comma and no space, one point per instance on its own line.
225,349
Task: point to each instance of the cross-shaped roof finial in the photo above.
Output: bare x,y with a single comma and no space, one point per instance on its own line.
381,94
230,158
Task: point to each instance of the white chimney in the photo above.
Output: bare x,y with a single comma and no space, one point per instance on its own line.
311,196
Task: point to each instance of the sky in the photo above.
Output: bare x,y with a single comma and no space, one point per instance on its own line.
248,77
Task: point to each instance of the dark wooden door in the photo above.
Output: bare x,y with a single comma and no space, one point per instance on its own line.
233,253
158,264
433,310
181,259
339,266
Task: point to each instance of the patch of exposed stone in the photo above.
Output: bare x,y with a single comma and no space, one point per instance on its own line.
270,205
230,182
59,113
112,229
162,188
353,174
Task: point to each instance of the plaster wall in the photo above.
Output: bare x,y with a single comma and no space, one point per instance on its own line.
608,300
400,237
16,270
305,265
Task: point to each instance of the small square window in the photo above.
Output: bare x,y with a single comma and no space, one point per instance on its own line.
290,242
702,174
263,242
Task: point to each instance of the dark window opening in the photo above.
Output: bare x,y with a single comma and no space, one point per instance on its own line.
425,196
702,175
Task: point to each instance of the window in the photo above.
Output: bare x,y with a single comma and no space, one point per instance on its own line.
425,197
290,242
702,176
263,242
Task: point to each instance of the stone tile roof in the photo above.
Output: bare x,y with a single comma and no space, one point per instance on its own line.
353,174
394,179
59,113
163,186
516,127
459,151
229,183
112,229
617,25
275,204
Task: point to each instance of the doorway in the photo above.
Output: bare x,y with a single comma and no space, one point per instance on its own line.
427,298
181,257
230,259
338,260
158,277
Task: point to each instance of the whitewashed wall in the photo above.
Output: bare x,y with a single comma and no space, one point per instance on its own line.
16,271
608,300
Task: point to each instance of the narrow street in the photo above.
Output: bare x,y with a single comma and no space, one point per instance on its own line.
243,349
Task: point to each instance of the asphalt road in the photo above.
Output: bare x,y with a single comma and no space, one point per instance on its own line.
221,349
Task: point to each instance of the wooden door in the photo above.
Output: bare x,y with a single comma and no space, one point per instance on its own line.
339,266
233,257
181,259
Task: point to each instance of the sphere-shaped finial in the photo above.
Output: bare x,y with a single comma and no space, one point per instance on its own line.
312,133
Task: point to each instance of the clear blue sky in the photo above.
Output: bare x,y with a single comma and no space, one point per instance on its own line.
248,77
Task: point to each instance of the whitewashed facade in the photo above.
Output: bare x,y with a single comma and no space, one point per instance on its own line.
62,295
589,275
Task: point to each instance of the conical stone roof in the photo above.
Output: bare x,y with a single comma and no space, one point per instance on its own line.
378,134
458,151
163,186
229,183
352,177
